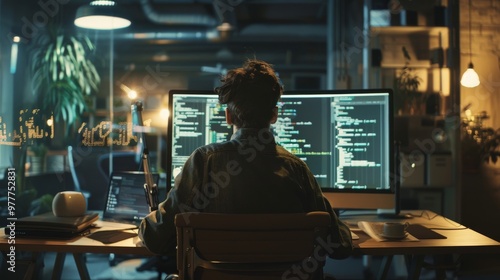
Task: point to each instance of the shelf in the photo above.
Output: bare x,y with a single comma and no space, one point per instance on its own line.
414,65
408,30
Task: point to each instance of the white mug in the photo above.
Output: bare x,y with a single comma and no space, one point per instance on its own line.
395,229
69,204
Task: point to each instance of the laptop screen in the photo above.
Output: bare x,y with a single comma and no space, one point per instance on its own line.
126,201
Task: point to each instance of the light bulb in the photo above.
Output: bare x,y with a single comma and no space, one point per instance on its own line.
132,94
470,78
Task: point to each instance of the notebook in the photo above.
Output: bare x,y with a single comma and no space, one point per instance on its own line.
422,232
126,200
49,226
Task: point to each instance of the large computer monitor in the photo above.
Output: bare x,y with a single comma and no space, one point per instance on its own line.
344,136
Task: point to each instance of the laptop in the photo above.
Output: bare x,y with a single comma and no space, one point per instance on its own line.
126,201
47,225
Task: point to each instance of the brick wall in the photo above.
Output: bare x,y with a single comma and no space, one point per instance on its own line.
485,45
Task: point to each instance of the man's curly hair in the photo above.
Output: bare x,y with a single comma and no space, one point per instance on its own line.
251,93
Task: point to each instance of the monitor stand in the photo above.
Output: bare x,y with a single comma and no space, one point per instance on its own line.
396,212
392,214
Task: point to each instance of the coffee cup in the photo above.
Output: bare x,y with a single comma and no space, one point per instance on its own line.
394,229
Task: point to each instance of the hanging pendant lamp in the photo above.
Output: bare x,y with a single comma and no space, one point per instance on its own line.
470,78
102,15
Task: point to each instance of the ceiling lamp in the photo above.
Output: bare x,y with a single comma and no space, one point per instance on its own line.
102,15
470,78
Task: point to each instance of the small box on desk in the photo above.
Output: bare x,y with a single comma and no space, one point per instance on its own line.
439,170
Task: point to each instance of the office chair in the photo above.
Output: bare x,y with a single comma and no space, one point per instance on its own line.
74,175
251,246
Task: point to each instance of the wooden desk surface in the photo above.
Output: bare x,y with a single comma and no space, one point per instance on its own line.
80,244
460,239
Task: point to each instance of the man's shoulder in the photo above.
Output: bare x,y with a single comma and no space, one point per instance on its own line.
215,147
285,153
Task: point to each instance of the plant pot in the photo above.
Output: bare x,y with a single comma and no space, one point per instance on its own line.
412,108
55,163
36,165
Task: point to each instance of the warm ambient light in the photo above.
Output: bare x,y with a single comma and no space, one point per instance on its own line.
131,94
470,78
225,26
164,113
102,15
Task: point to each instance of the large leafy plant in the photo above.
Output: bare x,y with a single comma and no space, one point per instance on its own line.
63,74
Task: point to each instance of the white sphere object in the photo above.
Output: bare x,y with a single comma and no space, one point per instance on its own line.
69,204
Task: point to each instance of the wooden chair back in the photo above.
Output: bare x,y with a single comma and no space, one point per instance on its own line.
251,246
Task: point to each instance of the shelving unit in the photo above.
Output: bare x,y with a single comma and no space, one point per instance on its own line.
429,47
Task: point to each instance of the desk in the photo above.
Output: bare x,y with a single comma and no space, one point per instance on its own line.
459,240
77,246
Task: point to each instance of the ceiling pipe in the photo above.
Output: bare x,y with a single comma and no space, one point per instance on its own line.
197,24
285,30
255,31
170,35
177,17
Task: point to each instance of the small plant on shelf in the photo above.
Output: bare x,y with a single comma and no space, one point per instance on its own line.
408,100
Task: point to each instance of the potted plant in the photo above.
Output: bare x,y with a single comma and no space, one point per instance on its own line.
479,144
37,153
63,79
407,99
491,146
63,74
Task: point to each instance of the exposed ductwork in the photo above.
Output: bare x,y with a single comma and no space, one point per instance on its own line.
184,35
278,31
194,20
179,16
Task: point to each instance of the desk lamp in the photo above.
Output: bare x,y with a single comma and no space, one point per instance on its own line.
150,188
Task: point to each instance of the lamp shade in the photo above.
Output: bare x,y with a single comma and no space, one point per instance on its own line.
470,78
102,15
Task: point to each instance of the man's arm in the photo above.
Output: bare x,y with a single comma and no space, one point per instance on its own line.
340,234
157,230
340,240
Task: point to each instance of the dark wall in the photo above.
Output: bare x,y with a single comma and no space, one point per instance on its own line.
480,197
